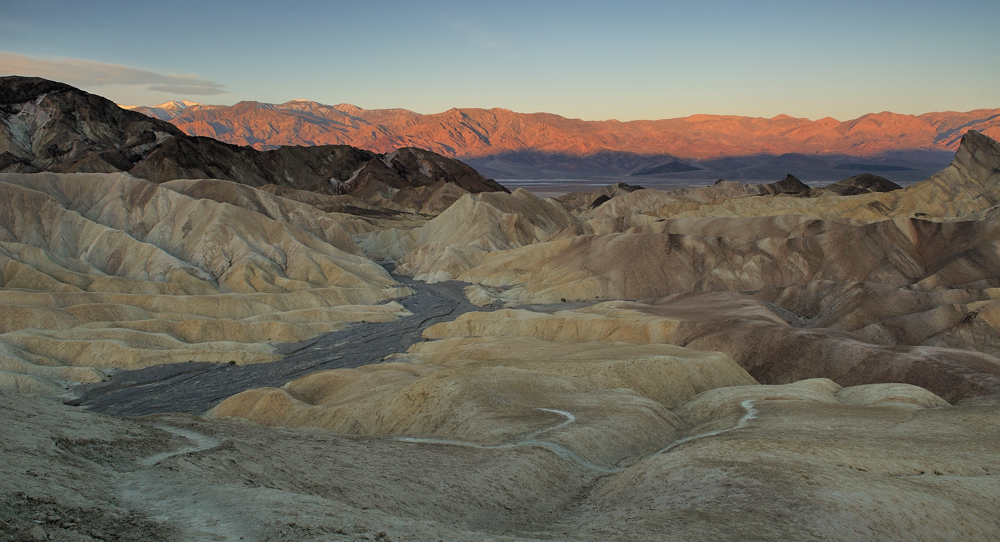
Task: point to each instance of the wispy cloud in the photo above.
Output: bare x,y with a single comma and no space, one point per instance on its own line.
89,73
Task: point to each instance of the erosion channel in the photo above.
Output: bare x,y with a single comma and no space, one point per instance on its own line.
195,387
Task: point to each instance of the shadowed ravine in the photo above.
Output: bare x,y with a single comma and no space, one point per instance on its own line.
196,387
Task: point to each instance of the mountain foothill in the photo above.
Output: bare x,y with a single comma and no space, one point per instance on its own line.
213,333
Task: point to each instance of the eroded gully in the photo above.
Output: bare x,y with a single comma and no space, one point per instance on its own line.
196,387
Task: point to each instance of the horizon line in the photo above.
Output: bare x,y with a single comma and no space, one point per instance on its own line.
498,108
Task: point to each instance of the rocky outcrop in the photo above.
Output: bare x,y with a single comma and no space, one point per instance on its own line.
862,184
788,185
578,201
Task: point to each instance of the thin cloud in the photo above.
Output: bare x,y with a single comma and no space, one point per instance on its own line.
89,73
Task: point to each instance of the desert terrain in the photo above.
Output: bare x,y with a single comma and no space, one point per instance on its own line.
200,341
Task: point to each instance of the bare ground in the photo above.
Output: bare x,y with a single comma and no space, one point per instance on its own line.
789,473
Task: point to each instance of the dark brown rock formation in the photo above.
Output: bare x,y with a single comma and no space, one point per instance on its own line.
49,126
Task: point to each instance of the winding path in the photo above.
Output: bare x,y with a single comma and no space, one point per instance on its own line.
529,440
569,455
750,413
199,510
199,442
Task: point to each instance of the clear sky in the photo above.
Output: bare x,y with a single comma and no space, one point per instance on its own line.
622,59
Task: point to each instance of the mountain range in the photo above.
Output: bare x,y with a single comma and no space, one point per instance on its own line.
50,126
504,143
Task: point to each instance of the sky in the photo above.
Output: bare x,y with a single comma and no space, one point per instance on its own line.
623,60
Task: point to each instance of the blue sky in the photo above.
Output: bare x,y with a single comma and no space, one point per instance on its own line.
593,60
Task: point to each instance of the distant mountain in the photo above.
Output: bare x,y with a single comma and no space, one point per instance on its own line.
505,144
487,132
164,111
49,126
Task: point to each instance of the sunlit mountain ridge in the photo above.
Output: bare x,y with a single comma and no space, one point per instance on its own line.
474,132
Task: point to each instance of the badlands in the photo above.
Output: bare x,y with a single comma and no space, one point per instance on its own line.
333,344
